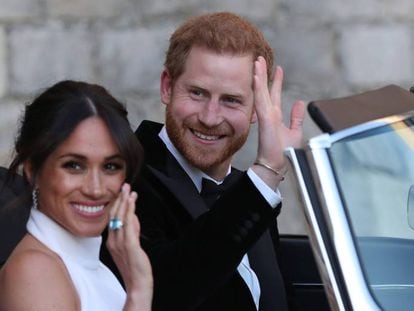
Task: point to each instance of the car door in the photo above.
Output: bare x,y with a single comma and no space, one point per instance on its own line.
356,183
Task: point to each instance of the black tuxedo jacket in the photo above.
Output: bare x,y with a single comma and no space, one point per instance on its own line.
13,214
194,251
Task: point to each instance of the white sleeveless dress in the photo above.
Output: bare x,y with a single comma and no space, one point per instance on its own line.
96,285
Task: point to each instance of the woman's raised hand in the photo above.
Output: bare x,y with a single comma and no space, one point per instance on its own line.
124,245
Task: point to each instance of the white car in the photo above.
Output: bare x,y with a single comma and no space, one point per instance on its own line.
356,181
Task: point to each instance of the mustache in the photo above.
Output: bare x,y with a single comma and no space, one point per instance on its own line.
218,130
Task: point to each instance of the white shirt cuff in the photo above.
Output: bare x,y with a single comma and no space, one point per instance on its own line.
272,197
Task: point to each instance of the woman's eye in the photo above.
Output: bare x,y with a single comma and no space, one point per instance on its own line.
113,167
72,165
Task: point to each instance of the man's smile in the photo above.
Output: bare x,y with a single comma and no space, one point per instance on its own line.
206,136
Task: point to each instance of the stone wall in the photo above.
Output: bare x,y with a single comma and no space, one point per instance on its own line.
328,48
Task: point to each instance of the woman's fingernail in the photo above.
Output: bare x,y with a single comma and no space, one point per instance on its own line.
124,187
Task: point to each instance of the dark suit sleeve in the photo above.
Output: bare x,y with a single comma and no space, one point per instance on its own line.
192,258
13,213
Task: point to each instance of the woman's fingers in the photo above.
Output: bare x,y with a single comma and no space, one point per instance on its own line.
117,211
130,206
123,203
115,206
132,229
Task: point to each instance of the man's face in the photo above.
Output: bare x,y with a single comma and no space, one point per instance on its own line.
210,108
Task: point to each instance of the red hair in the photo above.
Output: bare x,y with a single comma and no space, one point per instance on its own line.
221,33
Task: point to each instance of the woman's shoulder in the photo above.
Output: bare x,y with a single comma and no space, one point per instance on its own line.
31,257
32,274
30,253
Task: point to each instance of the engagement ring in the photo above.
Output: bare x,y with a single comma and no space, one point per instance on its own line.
115,224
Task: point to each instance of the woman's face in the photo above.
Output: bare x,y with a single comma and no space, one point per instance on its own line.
80,179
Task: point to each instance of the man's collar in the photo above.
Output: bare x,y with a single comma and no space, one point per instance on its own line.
194,173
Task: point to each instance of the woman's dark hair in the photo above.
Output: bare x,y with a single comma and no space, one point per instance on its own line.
50,119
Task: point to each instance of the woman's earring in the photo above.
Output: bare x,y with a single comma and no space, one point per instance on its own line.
35,199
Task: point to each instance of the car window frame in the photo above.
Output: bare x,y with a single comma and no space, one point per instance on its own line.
330,232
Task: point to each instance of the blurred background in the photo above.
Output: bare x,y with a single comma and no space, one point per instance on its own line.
328,48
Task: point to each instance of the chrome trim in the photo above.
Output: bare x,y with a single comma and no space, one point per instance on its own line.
340,232
391,286
321,141
326,140
308,284
315,238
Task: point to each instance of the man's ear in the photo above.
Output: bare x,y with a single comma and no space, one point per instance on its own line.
165,87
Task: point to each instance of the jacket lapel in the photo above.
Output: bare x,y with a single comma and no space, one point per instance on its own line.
184,190
168,171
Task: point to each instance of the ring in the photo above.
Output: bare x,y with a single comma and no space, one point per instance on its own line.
115,224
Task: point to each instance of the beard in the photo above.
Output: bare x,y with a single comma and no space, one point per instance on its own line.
204,158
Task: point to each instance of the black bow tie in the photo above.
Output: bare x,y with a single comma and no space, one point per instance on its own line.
210,191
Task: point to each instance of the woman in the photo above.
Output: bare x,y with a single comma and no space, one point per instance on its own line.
79,155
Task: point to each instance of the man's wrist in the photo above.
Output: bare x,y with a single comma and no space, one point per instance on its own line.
270,193
279,172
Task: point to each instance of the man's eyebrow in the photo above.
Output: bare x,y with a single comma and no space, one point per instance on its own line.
239,96
193,86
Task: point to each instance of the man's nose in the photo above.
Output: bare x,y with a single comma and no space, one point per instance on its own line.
210,114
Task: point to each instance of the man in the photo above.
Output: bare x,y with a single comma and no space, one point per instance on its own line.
219,255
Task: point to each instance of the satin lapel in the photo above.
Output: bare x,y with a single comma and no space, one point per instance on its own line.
165,167
264,263
184,190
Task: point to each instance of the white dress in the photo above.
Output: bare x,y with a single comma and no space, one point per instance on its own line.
96,285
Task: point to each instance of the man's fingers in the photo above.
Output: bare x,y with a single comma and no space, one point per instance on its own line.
260,75
261,69
297,115
276,88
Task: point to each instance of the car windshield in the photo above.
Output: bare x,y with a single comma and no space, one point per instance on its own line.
375,175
